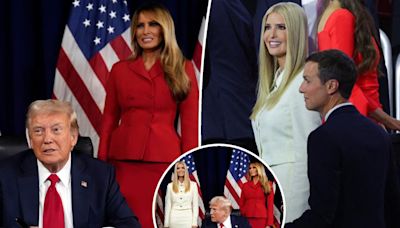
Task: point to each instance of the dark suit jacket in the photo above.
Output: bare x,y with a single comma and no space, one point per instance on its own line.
348,163
98,204
237,222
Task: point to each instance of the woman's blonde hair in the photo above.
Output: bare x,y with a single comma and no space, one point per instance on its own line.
186,180
296,53
262,176
172,59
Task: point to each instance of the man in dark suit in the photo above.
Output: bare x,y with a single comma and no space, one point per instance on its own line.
50,186
220,210
348,156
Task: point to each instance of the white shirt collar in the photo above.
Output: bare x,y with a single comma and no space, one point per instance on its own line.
334,108
64,174
227,223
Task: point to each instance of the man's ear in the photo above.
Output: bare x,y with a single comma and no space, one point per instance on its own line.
332,86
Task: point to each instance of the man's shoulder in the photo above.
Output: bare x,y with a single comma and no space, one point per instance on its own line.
89,163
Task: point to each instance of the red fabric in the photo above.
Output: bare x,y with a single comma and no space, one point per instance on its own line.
138,181
221,225
139,115
256,206
53,212
338,33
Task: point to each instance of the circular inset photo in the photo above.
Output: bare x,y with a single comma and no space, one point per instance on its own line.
218,185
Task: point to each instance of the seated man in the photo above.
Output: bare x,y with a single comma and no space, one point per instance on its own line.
220,210
348,155
52,186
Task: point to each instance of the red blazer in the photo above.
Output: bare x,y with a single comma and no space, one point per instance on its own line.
139,115
338,33
255,204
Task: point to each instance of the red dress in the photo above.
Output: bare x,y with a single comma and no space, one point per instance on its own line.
257,207
338,33
138,133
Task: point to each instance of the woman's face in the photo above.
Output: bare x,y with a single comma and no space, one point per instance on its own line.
180,170
253,170
148,32
275,35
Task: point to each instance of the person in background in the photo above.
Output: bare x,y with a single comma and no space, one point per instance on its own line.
347,25
181,200
257,198
145,94
280,121
51,185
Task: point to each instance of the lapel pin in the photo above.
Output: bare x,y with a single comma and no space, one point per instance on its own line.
84,184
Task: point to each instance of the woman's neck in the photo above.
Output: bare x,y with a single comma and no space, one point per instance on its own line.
181,179
255,179
149,58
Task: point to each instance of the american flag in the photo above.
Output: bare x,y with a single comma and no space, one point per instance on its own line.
97,35
236,176
191,165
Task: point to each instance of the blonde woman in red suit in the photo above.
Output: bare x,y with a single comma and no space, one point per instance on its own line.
346,25
257,198
144,96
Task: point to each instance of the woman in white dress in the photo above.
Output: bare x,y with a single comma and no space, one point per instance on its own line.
281,123
181,201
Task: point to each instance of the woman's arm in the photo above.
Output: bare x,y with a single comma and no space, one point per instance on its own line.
168,205
111,114
195,203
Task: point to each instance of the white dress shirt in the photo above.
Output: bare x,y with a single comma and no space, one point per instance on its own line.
227,223
63,188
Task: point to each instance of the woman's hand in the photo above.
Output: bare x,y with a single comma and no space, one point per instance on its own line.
388,121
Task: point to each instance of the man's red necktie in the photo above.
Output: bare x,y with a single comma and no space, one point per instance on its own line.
221,225
53,212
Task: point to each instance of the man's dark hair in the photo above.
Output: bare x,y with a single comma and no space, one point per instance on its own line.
335,64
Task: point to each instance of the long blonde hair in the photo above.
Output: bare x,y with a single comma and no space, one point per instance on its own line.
296,52
172,59
262,177
186,179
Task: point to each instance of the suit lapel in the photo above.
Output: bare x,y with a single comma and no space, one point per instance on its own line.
138,67
81,191
28,187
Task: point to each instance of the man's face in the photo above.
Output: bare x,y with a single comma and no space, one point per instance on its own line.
218,215
315,93
51,139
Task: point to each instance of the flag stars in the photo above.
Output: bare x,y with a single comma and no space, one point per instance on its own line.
86,23
97,40
102,9
114,1
113,14
110,29
75,3
100,24
126,17
89,6
125,2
